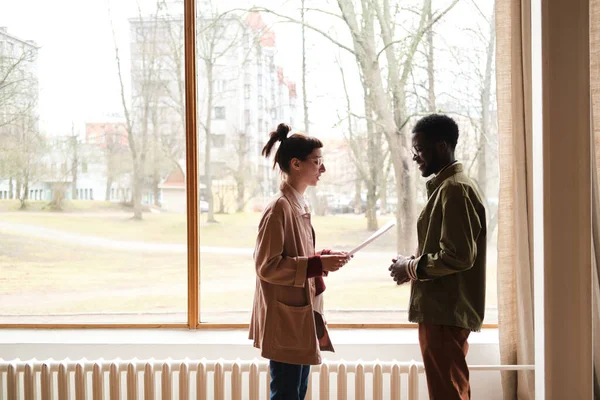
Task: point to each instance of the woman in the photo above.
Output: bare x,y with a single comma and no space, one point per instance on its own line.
287,317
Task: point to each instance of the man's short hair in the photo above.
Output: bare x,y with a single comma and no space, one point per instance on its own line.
438,127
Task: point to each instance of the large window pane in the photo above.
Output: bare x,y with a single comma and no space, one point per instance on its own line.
364,89
92,154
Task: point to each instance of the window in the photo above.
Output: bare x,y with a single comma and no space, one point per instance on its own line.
219,113
220,86
113,272
123,271
218,141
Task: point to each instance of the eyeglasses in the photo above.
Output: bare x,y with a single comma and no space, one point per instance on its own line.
317,160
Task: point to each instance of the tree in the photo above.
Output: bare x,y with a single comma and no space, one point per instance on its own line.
116,155
21,144
218,35
242,175
474,101
385,59
145,92
369,164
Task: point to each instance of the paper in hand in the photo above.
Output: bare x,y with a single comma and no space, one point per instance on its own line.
374,236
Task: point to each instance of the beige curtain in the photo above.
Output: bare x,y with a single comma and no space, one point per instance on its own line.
595,93
515,266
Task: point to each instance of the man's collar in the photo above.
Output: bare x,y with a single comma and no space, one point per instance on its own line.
451,169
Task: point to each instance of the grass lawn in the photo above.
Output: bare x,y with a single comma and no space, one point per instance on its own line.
43,276
332,231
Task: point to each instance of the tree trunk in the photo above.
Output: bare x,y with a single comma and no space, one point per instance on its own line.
25,195
75,166
241,195
485,109
383,191
207,159
10,188
371,212
430,58
304,91
156,189
357,198
137,190
107,192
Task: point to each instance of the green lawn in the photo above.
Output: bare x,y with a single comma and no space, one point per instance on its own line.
41,276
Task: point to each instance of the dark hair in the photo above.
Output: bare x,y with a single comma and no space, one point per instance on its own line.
438,128
297,146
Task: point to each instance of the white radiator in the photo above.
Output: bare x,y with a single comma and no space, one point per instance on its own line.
200,379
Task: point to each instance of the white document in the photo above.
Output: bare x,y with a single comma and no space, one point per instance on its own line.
374,236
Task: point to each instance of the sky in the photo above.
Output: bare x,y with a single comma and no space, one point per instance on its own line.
78,75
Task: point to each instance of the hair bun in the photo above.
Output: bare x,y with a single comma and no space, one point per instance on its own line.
283,130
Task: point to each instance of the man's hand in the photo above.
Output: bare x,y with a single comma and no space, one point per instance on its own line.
398,269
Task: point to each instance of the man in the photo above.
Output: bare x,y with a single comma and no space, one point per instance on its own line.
448,271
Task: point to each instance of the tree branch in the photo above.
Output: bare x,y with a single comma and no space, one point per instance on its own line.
295,21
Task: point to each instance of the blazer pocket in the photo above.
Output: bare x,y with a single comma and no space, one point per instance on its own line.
294,329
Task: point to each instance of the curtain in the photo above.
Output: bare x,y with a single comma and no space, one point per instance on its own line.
515,264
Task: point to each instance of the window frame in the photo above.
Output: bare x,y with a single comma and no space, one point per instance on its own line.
193,236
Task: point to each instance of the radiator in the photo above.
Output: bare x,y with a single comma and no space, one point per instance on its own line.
202,379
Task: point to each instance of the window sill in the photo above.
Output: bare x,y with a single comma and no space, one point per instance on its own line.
367,336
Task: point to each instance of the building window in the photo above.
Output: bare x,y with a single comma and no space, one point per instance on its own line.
247,117
219,113
246,91
220,86
218,141
84,167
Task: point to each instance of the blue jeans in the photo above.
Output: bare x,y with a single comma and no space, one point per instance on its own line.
288,381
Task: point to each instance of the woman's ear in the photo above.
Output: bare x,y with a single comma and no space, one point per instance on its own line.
295,163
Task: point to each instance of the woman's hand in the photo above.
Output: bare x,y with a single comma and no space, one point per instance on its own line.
341,253
333,262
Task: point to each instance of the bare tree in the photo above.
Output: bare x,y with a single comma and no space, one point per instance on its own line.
480,149
21,145
116,155
385,58
218,35
146,90
369,164
74,147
